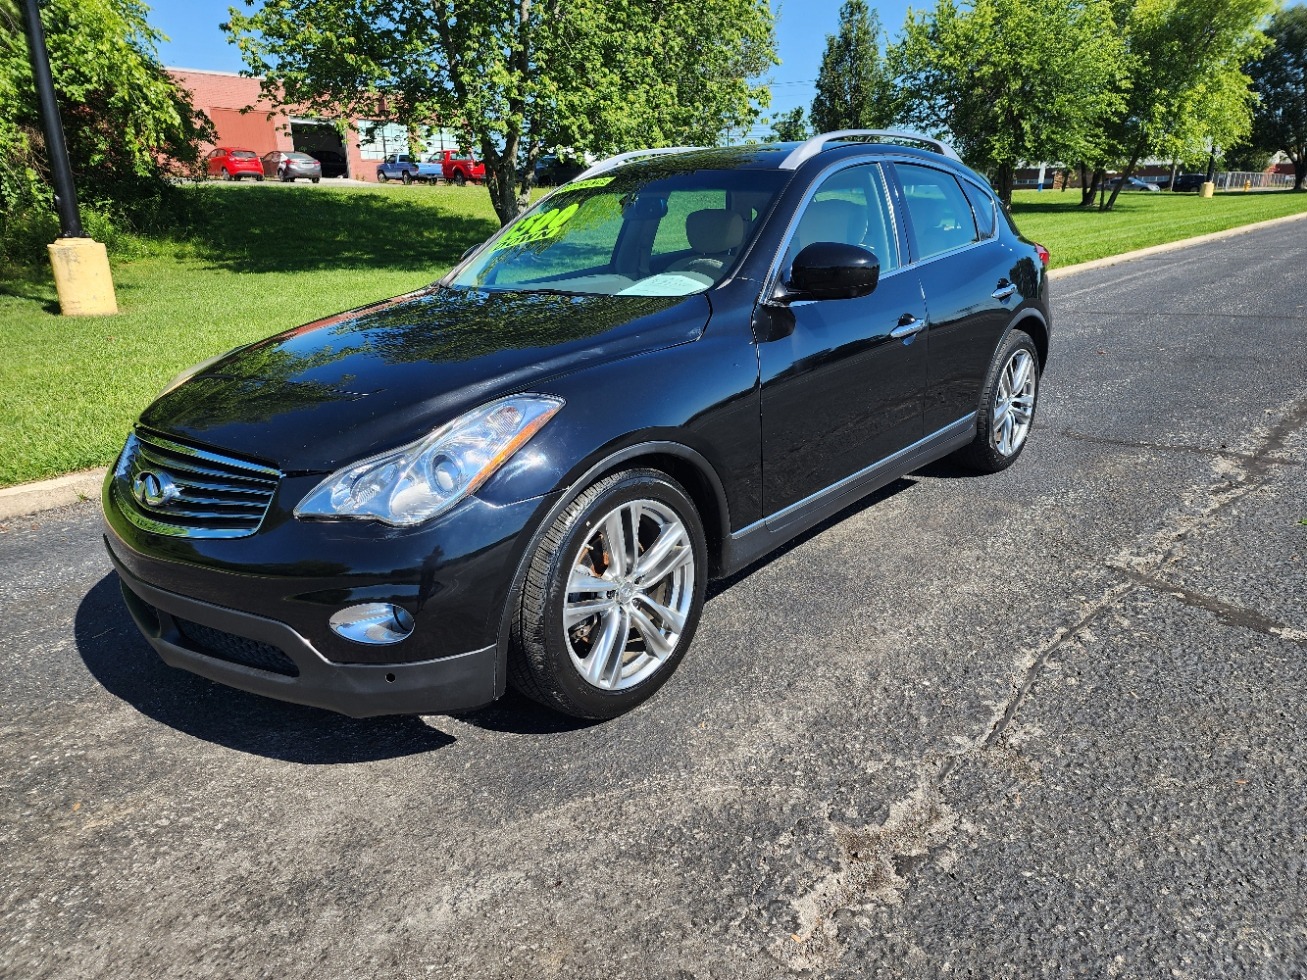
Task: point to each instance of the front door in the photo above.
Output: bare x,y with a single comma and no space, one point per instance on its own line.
839,392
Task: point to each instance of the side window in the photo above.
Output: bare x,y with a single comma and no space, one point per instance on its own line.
850,206
982,205
941,214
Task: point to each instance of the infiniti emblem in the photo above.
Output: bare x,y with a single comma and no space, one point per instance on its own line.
155,489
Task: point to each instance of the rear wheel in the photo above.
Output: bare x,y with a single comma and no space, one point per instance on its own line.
316,179
227,175
407,177
459,179
612,597
382,176
259,178
1007,406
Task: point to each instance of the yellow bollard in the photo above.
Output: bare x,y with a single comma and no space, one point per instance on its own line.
82,278
1208,190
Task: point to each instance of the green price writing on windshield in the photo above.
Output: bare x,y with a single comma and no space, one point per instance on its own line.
538,227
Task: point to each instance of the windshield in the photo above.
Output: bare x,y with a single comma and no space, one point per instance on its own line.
645,232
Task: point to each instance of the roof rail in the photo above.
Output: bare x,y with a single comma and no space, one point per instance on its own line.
810,148
621,158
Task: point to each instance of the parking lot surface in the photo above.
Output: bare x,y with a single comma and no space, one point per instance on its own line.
1041,724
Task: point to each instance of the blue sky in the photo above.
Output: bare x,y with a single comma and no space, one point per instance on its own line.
195,41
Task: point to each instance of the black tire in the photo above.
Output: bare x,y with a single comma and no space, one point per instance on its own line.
316,179
259,178
406,177
459,179
542,651
987,453
382,176
227,175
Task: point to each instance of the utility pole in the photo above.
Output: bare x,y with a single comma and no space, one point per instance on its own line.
80,264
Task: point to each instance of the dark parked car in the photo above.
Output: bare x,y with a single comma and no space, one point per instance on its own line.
233,163
527,472
1189,182
289,166
333,163
551,170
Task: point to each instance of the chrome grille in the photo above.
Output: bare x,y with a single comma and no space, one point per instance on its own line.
172,488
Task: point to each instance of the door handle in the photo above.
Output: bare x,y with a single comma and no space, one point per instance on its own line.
908,325
1005,290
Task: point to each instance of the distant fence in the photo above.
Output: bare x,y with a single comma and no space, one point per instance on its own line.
1237,180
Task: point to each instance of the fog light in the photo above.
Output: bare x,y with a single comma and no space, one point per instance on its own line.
373,622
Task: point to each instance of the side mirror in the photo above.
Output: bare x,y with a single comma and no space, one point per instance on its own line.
834,270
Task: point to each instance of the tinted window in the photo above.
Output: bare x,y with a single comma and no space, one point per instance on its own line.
243,155
850,207
639,232
982,206
941,215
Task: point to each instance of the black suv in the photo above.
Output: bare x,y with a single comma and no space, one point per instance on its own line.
527,472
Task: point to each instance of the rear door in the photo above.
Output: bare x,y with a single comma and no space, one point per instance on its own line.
964,269
839,392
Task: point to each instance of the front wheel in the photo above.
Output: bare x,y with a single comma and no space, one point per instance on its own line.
1007,406
612,597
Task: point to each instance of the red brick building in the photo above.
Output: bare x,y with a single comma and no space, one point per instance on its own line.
223,96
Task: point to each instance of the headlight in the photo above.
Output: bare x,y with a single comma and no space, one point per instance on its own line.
416,482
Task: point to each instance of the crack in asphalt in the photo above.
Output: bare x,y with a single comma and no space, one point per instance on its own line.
877,862
1178,448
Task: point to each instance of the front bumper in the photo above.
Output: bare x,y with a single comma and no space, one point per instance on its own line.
168,622
252,612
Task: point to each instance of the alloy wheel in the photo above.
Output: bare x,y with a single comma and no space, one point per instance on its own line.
630,589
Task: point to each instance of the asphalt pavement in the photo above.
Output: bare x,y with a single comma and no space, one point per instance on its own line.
1046,723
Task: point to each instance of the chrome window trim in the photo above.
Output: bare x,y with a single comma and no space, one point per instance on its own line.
774,274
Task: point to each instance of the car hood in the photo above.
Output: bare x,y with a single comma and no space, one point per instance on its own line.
337,390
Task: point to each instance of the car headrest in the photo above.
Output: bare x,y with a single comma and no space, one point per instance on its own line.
714,230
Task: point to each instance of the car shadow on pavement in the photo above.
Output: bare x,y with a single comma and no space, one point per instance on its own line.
127,667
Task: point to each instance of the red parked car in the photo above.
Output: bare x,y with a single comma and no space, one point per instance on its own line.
234,162
459,170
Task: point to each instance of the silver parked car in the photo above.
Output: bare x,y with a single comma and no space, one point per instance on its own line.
290,166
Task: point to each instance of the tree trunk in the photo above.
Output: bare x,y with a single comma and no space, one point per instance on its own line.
1299,171
1006,175
510,193
1088,179
1125,175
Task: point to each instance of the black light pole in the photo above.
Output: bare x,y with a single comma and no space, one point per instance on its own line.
65,193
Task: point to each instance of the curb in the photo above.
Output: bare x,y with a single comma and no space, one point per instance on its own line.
33,498
1141,253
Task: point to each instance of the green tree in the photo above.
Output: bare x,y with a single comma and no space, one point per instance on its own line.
1186,87
788,127
517,78
1012,80
854,88
1279,78
122,113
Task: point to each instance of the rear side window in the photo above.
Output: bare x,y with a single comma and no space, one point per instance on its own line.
941,214
982,205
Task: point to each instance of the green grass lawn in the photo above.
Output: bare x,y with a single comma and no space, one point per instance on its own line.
1053,219
264,257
